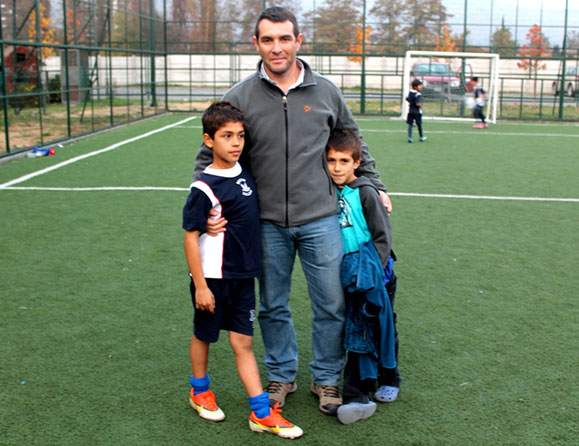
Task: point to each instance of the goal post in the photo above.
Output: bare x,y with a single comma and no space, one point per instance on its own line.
447,82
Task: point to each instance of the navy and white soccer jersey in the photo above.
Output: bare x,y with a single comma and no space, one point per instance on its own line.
479,96
233,254
414,98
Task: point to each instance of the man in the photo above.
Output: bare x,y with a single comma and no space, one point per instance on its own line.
291,111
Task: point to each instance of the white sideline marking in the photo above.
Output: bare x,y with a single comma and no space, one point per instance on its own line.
96,189
88,155
484,197
479,133
454,132
185,189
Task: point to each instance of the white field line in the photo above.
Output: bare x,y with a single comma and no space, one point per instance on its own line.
484,197
465,120
454,132
184,189
481,132
88,155
96,189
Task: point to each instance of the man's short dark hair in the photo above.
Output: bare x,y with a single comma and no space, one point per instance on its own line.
345,141
416,83
277,14
218,114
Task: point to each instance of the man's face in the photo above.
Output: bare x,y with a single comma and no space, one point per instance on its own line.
277,46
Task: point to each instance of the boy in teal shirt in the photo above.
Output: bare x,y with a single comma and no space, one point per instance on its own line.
365,228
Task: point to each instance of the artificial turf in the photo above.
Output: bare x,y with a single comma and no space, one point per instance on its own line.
95,313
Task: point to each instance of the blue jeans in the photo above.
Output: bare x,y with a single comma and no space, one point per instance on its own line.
319,245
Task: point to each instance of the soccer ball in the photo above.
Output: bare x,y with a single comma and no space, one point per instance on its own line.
470,102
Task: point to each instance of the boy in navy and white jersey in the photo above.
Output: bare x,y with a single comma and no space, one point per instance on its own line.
414,99
223,269
479,102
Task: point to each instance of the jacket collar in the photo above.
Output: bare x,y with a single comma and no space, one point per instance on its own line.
306,75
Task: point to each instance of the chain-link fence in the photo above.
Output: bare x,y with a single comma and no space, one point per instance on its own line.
72,67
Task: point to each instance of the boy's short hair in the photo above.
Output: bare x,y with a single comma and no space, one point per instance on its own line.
474,79
218,114
416,83
277,14
345,141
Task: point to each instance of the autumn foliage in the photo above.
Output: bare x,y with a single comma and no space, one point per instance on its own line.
445,42
356,47
536,48
47,31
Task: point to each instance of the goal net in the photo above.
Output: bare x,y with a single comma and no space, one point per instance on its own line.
447,83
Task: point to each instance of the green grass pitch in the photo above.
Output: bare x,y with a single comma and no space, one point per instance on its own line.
95,314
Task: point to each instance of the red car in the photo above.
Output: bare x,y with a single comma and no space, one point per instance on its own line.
439,78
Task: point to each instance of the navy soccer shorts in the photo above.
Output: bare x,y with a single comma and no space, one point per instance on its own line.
414,117
234,309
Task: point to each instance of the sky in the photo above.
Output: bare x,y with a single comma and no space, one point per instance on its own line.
552,17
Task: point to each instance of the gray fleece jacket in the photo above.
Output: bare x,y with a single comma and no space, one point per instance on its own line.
285,145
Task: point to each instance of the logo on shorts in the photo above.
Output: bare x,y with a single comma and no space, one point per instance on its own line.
307,108
252,317
245,189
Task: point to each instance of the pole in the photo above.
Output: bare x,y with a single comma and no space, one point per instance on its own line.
3,88
463,62
153,55
464,27
562,89
491,26
516,24
363,80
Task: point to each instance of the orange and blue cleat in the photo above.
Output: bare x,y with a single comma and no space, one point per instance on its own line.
275,423
206,406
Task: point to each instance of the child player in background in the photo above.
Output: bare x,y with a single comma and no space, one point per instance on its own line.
414,99
479,103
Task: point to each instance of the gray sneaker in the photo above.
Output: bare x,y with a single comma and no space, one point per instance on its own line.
330,398
352,412
278,392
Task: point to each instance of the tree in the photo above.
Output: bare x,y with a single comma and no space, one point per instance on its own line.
389,14
535,50
47,31
446,42
424,18
179,27
335,25
125,25
252,8
357,46
502,41
573,40
205,32
228,14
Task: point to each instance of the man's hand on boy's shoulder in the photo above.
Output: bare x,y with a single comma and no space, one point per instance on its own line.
386,200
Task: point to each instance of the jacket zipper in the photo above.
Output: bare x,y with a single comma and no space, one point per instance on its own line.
284,97
328,176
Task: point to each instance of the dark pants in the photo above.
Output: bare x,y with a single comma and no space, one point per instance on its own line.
356,390
410,119
478,113
391,377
